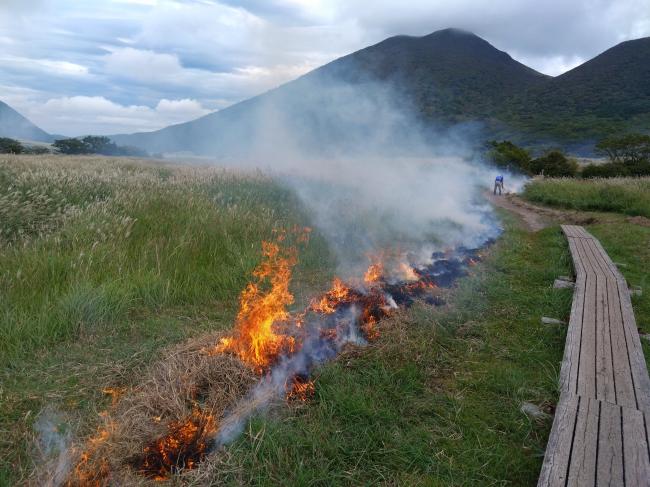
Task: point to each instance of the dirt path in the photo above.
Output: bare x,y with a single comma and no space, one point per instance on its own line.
535,218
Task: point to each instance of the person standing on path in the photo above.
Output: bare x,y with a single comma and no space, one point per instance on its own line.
498,184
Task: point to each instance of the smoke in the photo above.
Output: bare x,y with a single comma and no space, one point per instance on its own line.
371,172
53,442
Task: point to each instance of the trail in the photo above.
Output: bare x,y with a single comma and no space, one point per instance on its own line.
531,216
535,218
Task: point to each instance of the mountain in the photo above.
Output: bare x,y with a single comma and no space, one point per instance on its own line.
609,93
15,126
407,88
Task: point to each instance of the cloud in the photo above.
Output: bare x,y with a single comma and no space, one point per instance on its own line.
78,115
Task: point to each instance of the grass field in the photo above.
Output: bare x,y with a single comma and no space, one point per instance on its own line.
629,196
113,261
104,261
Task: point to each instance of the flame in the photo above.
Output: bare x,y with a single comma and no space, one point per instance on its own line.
263,307
407,272
337,294
374,273
186,443
88,473
300,389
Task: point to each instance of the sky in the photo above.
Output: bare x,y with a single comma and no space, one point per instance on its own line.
78,67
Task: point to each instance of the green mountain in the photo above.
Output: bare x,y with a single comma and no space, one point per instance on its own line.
407,86
15,126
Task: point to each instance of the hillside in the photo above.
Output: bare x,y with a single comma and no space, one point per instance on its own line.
15,126
611,92
409,86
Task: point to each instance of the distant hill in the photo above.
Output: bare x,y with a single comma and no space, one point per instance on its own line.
609,93
15,126
446,78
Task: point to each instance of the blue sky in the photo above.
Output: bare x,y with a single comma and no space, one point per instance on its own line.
111,66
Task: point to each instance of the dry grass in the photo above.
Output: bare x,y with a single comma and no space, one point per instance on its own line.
184,379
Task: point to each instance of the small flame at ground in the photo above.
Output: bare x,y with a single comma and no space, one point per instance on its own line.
186,443
300,389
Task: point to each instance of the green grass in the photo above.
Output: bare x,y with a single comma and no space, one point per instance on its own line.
94,285
104,261
629,196
436,401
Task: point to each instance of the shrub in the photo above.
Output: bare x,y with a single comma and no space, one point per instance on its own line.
71,146
554,164
10,146
510,156
616,169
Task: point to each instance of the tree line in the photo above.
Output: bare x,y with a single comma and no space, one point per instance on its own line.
627,155
90,144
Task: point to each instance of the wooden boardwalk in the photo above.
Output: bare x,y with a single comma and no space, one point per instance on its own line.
602,421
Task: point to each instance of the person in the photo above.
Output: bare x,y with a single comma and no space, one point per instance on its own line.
498,184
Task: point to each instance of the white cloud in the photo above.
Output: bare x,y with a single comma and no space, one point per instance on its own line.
48,66
78,115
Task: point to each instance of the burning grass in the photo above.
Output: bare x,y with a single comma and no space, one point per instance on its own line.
165,424
170,432
106,261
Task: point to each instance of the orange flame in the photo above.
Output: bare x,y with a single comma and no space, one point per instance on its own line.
300,389
263,306
374,273
183,447
338,293
88,473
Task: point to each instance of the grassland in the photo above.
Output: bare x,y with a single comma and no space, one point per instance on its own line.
104,261
114,260
629,196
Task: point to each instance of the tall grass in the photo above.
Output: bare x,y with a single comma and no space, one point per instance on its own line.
87,242
629,196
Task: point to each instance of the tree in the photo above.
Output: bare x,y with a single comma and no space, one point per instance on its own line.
10,146
554,164
626,149
508,155
100,145
71,146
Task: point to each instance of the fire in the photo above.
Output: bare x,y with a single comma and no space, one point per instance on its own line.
87,472
337,294
374,273
186,443
263,307
407,272
300,389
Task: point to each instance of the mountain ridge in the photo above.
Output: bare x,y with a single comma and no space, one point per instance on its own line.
16,126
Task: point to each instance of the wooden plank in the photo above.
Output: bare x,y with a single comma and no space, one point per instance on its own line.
569,369
582,468
623,382
587,366
615,270
585,257
575,256
599,258
556,460
635,352
594,257
635,448
604,363
609,469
